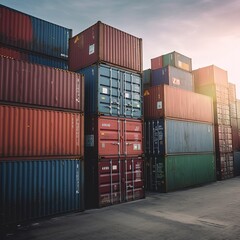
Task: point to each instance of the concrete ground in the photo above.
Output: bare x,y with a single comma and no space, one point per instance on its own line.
207,212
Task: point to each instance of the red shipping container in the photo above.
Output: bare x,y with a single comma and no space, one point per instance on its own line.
170,102
210,75
27,83
113,136
156,63
29,132
113,181
103,43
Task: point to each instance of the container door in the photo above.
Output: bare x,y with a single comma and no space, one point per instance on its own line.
109,91
132,95
109,177
132,179
132,135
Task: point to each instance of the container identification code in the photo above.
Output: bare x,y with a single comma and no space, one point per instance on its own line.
159,105
91,49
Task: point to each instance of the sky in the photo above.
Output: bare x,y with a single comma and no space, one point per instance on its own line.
208,31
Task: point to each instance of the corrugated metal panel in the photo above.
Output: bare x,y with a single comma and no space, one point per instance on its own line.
174,77
33,57
224,163
210,75
156,63
177,60
166,101
173,136
113,181
236,163
232,92
112,136
147,76
189,170
221,114
31,189
26,83
104,43
235,137
112,91
238,110
40,133
33,34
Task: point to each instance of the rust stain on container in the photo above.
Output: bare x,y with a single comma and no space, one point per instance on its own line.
26,83
29,132
166,101
104,43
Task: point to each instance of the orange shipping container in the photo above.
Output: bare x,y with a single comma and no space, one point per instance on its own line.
210,75
166,101
29,132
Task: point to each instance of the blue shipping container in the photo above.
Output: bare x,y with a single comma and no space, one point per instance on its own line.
177,137
31,189
173,76
26,32
112,91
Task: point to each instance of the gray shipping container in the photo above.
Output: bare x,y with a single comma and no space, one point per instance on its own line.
169,136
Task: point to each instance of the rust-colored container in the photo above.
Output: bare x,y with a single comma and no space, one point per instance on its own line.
28,132
225,165
103,43
156,63
238,109
113,181
232,92
210,75
112,136
170,102
25,83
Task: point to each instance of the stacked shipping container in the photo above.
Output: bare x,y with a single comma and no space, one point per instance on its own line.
213,81
41,121
111,61
24,37
179,143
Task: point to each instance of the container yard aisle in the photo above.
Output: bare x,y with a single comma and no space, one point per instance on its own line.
208,212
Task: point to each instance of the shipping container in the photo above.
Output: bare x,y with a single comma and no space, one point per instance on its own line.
169,173
223,138
112,136
210,75
174,77
26,83
112,91
31,189
232,92
156,62
235,138
23,31
233,109
168,136
147,76
238,109
221,114
170,102
35,58
113,181
30,132
103,43
236,163
177,60
225,165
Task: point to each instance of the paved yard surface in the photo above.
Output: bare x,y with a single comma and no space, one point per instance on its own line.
207,212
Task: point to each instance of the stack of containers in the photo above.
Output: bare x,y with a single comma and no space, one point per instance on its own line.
41,124
174,116
213,81
24,37
111,61
237,152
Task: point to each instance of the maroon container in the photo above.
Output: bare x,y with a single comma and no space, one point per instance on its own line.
26,83
29,132
101,42
113,181
156,63
112,136
170,102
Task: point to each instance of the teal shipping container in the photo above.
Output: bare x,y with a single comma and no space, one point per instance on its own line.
32,189
170,173
168,136
112,91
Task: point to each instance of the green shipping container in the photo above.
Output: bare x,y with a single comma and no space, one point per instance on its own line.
169,173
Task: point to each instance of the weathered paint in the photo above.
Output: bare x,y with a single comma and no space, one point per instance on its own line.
31,189
236,155
224,165
156,62
104,43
